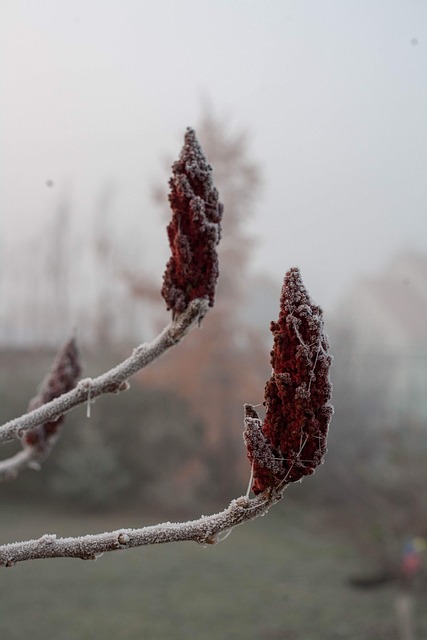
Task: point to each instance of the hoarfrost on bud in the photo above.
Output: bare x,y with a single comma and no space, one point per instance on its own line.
62,378
123,538
291,442
194,231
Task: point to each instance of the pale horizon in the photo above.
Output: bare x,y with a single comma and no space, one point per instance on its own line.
332,95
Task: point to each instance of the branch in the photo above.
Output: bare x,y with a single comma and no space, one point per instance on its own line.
112,381
28,457
206,530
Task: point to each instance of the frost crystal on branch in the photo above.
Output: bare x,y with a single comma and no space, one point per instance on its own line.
194,230
62,378
291,442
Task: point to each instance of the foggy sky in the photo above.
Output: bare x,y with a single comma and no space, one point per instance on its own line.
332,93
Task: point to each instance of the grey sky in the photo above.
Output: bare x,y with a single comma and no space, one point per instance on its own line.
332,92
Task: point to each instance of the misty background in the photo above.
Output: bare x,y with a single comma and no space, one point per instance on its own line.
313,114
332,95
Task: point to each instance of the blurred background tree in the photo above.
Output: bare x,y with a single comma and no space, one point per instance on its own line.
226,363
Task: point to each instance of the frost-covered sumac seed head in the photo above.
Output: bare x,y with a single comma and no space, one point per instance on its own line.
297,395
194,231
62,377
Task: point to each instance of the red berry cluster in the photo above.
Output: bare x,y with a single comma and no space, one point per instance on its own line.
62,378
291,442
194,230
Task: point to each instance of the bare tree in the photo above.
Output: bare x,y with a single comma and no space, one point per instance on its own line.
289,444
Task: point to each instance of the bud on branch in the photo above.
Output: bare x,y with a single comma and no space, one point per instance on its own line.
291,442
62,378
38,443
194,230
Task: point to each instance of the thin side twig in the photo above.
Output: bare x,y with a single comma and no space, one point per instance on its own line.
10,467
112,381
206,531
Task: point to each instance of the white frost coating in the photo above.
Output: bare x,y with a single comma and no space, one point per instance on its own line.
206,531
112,381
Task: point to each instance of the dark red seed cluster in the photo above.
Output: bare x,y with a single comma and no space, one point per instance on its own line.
194,231
291,442
62,378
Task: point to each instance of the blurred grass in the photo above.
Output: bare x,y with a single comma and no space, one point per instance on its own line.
280,577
